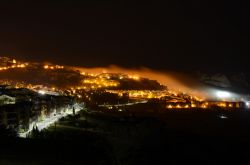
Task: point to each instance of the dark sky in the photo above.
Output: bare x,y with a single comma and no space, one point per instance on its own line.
178,35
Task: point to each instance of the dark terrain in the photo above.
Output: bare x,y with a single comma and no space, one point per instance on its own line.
170,138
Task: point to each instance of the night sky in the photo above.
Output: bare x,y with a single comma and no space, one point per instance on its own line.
191,35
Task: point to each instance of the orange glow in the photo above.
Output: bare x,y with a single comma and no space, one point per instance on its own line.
134,77
193,105
222,105
204,106
172,80
53,67
178,106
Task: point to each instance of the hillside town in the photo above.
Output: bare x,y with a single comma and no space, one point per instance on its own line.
27,104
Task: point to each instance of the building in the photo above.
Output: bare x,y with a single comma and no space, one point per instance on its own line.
5,99
15,115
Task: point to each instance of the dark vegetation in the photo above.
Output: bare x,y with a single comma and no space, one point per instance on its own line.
58,78
142,84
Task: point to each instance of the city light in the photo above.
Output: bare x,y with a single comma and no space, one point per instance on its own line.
42,92
108,82
170,106
53,67
134,77
13,64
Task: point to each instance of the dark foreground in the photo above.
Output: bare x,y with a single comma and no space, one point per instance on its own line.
171,138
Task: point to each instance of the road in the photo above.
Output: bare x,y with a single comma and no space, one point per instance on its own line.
50,120
128,104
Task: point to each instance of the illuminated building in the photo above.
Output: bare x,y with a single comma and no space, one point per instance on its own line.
5,99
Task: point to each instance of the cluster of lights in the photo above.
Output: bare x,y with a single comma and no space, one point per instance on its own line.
88,74
13,84
14,65
53,67
134,77
100,82
178,106
140,94
205,105
145,94
221,104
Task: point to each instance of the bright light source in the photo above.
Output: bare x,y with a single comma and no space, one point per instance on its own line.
223,117
248,105
223,94
170,106
41,92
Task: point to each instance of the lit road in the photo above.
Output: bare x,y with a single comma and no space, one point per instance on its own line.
50,120
128,104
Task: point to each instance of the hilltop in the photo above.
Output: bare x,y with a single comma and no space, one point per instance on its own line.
23,73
